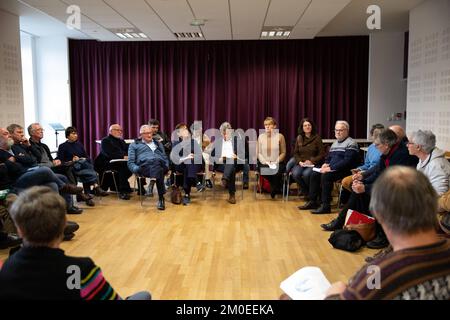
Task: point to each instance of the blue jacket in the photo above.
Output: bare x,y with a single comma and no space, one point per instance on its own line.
139,153
372,158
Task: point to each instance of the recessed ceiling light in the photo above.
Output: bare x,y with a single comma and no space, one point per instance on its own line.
143,35
279,33
120,35
264,34
198,22
271,33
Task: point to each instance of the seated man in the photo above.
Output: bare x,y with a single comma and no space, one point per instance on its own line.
224,155
113,147
41,270
147,157
343,156
16,176
73,152
418,268
43,155
393,152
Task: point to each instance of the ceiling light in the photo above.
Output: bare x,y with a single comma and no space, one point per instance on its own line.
279,33
143,35
286,33
198,22
271,33
120,35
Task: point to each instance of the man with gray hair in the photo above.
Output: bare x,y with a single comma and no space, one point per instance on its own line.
418,268
147,157
342,157
393,153
114,147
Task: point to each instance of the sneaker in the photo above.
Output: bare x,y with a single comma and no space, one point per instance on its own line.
186,200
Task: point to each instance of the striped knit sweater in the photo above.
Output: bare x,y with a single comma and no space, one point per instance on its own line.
48,274
343,155
421,273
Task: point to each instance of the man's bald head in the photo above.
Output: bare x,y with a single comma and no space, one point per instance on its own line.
399,131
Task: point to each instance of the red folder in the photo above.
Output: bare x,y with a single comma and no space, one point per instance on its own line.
355,217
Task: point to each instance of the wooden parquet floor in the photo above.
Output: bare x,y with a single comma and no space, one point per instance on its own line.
209,249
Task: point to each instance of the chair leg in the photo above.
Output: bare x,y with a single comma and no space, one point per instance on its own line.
288,187
242,176
113,173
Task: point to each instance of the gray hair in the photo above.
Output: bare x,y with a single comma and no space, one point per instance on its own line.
12,127
224,126
143,127
30,128
40,214
388,137
404,201
426,139
344,123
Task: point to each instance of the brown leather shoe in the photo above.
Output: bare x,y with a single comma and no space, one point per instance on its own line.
232,199
71,189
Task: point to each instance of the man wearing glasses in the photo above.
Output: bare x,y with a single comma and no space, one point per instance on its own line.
342,157
113,147
147,157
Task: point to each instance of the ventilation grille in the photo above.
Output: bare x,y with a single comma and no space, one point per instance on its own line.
188,35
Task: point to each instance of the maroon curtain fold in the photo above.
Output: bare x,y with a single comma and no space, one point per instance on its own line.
242,82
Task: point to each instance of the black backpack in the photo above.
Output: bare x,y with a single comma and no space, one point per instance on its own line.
348,240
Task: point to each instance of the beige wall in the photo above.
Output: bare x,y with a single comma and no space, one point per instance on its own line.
428,104
11,96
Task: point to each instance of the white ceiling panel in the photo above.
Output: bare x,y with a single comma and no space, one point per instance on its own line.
217,16
285,12
225,19
317,16
176,14
143,17
247,18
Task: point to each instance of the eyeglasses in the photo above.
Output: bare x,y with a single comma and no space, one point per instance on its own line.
118,130
146,132
339,130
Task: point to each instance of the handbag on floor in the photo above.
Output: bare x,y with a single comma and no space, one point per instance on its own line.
175,195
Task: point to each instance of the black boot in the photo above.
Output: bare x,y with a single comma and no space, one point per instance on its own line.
161,204
380,240
150,188
335,224
309,205
324,208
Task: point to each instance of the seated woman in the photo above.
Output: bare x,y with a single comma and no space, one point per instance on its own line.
271,154
432,162
72,151
308,152
186,158
40,270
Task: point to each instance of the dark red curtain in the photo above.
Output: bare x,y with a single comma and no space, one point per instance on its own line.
242,82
